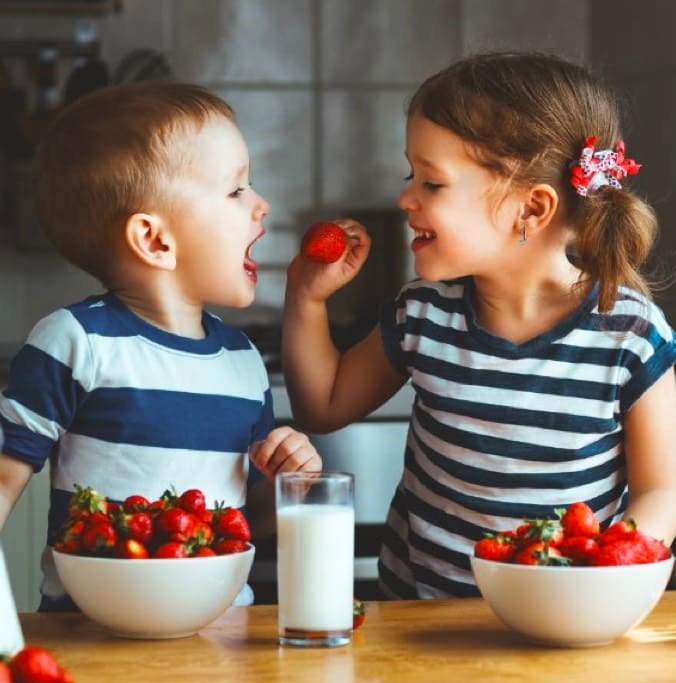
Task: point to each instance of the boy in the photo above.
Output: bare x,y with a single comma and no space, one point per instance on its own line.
146,187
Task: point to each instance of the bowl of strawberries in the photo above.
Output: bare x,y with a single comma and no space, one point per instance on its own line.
565,582
161,568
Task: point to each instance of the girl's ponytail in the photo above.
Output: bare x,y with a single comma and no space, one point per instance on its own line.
614,239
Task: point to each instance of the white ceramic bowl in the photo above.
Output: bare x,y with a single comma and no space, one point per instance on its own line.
571,606
163,598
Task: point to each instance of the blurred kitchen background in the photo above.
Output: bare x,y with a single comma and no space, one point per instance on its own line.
319,87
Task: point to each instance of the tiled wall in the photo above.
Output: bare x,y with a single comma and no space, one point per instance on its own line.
319,87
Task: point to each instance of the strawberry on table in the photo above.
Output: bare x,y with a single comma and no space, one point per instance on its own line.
358,613
324,242
35,664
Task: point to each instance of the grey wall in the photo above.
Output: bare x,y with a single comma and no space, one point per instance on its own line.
319,87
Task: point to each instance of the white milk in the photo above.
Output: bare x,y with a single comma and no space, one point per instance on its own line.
11,637
315,566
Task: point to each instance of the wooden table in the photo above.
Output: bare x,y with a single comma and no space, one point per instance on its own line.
436,640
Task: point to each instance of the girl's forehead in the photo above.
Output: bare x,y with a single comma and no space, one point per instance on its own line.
427,141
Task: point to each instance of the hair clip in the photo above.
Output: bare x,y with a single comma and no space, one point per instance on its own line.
599,169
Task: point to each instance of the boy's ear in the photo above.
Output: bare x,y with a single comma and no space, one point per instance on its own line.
539,207
149,240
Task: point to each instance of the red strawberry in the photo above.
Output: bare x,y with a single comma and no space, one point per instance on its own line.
131,549
540,553
498,547
358,613
171,550
579,520
627,551
137,525
623,530
231,523
579,549
324,242
99,536
34,664
203,551
135,503
175,524
70,538
226,546
85,502
192,500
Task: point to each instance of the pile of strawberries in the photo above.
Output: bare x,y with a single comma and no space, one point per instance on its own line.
173,526
573,538
33,664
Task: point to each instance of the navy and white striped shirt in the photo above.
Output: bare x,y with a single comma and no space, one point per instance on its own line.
125,407
501,431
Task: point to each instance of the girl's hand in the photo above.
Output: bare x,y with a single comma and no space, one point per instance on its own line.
285,450
317,281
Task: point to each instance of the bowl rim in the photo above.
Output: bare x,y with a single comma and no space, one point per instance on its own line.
580,568
155,560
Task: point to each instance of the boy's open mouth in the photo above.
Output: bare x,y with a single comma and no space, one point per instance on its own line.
250,266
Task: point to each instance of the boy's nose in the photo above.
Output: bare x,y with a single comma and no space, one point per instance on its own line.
262,208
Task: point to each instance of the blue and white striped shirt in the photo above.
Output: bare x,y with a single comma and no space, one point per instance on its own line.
501,431
125,407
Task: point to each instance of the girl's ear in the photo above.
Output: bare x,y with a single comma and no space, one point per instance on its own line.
149,240
539,208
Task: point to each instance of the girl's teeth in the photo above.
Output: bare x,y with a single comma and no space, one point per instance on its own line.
424,234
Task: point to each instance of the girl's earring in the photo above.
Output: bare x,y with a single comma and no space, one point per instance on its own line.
522,239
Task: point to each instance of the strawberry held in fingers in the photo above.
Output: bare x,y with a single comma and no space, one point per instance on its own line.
324,242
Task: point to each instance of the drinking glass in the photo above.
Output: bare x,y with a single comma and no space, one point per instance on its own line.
315,557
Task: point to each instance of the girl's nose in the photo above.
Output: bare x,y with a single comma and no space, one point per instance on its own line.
405,200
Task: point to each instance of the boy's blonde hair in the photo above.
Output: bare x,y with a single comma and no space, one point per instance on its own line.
525,116
112,154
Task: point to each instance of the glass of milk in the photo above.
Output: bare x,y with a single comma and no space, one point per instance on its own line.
315,557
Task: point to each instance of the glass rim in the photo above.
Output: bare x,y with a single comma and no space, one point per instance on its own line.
327,475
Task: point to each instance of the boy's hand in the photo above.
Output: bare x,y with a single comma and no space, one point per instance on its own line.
317,281
285,450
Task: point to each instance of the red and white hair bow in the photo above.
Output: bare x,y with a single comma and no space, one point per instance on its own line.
599,169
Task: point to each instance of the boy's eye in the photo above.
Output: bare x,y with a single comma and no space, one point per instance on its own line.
408,178
236,193
431,186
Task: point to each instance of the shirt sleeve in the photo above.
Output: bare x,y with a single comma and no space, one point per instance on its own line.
653,354
47,382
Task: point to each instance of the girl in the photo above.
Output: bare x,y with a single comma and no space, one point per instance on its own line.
542,370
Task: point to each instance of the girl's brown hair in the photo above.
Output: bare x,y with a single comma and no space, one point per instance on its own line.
109,155
526,117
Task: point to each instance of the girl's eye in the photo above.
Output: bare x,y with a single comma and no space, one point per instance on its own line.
236,193
408,178
431,186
